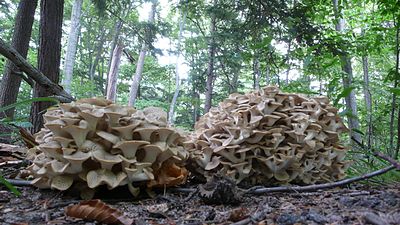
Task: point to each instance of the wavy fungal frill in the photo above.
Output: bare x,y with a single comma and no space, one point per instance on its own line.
271,138
93,142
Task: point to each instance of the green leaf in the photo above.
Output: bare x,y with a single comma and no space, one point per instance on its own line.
358,131
9,186
346,92
395,91
28,101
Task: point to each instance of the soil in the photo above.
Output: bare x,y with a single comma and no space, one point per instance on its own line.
358,204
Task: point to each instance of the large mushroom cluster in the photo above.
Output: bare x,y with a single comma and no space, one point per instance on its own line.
93,142
271,138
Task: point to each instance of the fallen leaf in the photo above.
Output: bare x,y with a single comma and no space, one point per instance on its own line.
168,175
238,214
98,211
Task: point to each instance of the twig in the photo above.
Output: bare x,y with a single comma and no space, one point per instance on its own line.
183,190
388,158
15,162
16,182
314,187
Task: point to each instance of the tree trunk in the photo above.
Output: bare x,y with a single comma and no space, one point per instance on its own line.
171,118
99,51
347,79
396,153
113,74
267,74
210,67
288,63
256,73
11,81
118,27
72,44
367,99
50,29
139,66
394,99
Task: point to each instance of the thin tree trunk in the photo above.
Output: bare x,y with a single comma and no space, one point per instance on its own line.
139,67
171,118
288,63
210,67
347,79
99,51
256,73
72,44
396,153
11,81
368,101
113,74
392,152
50,29
267,75
117,31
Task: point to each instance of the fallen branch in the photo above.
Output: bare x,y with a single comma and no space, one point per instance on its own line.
16,182
388,158
315,187
11,54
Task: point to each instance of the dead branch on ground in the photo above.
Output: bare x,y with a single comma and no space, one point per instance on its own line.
314,187
388,159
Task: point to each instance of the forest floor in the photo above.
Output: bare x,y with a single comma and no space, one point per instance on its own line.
367,203
359,204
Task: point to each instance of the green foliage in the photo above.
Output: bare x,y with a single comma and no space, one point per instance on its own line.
9,186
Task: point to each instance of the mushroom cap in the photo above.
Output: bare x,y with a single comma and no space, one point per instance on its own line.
270,137
93,142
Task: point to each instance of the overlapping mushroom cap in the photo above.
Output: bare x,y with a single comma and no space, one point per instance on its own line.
94,142
269,137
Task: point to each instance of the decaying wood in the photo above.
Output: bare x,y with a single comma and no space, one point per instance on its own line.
259,191
388,158
11,54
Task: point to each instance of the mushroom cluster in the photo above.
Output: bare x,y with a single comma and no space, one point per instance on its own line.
93,142
271,138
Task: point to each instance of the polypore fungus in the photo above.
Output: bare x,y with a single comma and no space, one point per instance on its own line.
271,138
93,142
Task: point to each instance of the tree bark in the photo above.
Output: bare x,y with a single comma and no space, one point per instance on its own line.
72,44
171,118
367,99
113,74
256,73
118,27
396,153
50,29
139,66
99,51
347,79
210,66
393,152
11,81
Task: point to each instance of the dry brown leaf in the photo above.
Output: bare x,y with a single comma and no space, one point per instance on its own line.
98,211
169,175
238,214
